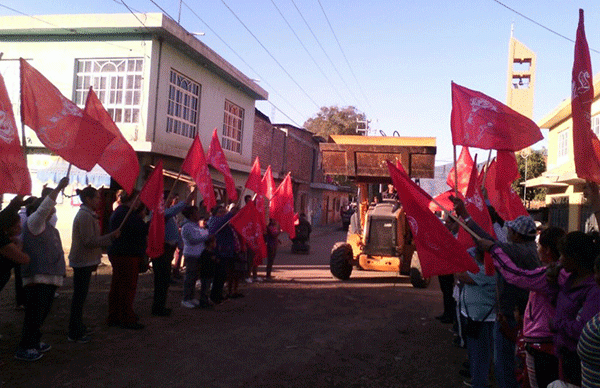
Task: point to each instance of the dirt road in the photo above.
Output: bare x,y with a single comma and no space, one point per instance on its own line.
305,329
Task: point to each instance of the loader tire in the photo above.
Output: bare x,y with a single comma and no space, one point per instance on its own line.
416,276
340,263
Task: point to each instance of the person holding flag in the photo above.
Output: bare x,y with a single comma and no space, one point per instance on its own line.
126,254
522,250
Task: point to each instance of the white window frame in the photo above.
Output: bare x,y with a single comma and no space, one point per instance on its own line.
233,127
596,124
562,149
183,106
116,81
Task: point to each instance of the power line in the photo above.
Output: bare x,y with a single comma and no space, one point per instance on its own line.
307,51
324,51
247,64
344,54
271,55
539,24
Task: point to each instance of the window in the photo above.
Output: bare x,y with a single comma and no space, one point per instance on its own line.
184,102
563,142
233,126
596,124
117,82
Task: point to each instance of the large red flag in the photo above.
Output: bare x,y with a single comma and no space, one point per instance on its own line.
480,121
507,171
14,174
254,179
585,143
152,196
282,206
261,208
268,183
216,158
478,211
119,159
464,165
195,165
439,252
60,125
248,225
444,200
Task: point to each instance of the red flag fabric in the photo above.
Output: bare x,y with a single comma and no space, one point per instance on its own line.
152,196
247,224
195,165
254,181
444,200
282,206
464,165
480,121
259,202
268,183
585,142
60,125
119,159
216,158
439,252
499,188
477,209
14,174
507,169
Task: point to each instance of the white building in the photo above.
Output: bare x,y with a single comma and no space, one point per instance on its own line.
159,82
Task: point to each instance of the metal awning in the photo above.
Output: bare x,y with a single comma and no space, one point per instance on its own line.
97,177
554,181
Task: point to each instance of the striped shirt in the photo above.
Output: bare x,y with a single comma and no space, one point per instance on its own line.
588,350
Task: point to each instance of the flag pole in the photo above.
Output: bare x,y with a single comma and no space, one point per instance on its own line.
135,201
173,186
455,171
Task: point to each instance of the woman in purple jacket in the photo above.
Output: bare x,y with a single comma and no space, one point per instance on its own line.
576,294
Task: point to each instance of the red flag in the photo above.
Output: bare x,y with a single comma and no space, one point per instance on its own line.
498,184
247,224
444,200
259,202
152,196
254,182
480,121
282,206
268,183
119,159
464,165
585,142
439,252
216,158
195,165
477,209
59,124
14,174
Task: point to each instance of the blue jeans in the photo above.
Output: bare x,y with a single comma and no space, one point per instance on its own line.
192,266
504,356
480,351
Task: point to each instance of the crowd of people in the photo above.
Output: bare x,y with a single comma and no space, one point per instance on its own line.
535,321
214,255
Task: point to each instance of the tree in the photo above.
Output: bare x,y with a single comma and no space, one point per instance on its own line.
535,160
334,120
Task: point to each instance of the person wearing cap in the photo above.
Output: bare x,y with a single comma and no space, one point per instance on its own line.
521,248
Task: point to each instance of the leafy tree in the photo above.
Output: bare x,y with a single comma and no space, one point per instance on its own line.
536,165
334,120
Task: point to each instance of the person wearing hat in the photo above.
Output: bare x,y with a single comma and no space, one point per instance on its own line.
521,248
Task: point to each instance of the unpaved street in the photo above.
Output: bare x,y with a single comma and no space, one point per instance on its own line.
305,329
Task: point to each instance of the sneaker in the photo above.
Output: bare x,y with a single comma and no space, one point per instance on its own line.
43,347
195,302
84,339
258,279
28,355
188,304
248,280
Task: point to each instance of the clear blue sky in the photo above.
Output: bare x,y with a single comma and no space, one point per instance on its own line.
403,53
